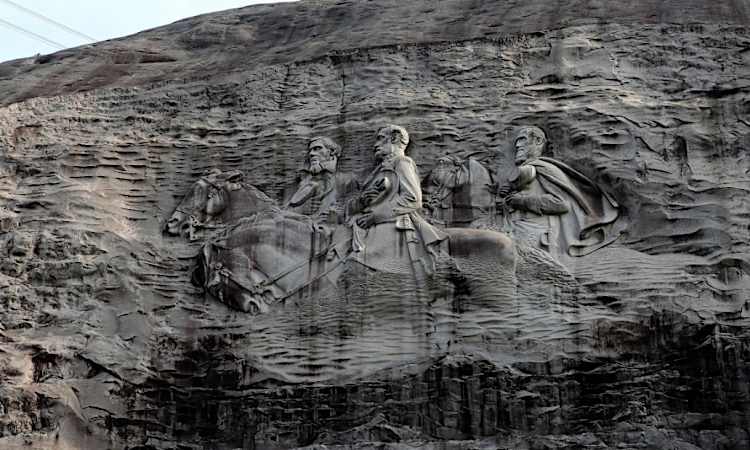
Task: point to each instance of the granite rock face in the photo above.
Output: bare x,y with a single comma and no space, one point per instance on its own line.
106,342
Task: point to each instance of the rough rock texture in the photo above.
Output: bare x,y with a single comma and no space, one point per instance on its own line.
105,343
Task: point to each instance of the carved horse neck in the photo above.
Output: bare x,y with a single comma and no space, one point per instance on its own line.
228,202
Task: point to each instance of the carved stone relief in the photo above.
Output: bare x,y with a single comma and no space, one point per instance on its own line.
212,241
461,233
260,254
321,189
544,204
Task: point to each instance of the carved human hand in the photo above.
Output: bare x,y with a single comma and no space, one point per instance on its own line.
373,192
366,220
516,200
502,206
504,191
503,196
430,202
369,196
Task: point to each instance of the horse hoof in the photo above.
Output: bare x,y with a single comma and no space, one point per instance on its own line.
254,304
249,305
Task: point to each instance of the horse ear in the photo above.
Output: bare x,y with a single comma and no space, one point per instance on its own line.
235,176
233,180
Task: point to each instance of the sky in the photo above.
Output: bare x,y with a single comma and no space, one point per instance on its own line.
99,19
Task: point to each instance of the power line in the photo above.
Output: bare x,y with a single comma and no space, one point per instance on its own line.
48,20
38,37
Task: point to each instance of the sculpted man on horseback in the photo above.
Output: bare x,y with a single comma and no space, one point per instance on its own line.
272,255
321,188
387,216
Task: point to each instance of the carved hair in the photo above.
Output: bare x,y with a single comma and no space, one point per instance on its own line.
453,159
328,143
403,135
536,136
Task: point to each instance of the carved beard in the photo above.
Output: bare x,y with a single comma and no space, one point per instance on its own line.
324,166
382,154
532,153
315,167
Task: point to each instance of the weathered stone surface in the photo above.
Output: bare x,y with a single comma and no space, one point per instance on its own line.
106,343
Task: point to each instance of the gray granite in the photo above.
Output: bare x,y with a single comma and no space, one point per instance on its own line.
112,334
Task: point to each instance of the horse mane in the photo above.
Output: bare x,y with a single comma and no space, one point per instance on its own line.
257,192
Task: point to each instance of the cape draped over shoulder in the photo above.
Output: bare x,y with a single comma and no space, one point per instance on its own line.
590,224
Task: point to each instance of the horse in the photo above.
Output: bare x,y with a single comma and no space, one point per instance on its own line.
459,192
263,255
216,199
267,258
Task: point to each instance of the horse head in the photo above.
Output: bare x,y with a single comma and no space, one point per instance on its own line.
208,198
441,181
445,175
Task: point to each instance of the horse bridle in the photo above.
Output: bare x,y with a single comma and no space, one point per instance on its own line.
208,182
261,287
268,282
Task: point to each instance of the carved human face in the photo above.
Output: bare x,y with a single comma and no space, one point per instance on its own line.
522,149
528,147
320,158
387,145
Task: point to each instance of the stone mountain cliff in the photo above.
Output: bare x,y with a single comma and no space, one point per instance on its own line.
106,343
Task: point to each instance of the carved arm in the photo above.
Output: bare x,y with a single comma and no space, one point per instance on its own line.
546,204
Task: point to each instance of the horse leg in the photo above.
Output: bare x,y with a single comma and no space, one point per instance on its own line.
482,244
251,303
211,274
223,287
487,263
